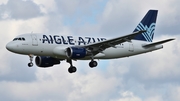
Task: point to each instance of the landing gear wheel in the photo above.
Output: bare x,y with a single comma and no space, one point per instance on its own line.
72,69
30,64
31,59
93,64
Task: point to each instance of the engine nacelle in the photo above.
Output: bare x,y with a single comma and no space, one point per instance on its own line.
76,52
46,61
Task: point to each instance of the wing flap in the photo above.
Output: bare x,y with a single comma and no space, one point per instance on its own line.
157,43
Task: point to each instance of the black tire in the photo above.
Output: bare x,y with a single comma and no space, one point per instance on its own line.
93,64
72,69
30,64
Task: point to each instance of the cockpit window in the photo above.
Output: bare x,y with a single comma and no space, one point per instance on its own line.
20,39
15,39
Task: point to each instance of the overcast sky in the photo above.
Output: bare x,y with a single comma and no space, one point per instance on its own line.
153,76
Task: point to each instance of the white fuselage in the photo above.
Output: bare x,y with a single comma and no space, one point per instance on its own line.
55,46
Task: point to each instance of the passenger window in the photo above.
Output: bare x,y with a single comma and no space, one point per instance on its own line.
19,38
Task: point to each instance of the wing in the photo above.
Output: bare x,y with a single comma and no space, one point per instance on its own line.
96,48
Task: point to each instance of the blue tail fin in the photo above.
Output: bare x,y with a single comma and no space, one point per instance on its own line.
147,23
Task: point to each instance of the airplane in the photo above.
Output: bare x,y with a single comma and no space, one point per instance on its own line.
50,50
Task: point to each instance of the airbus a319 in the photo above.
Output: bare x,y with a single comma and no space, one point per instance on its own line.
50,50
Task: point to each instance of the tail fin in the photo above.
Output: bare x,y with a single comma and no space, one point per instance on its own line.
147,23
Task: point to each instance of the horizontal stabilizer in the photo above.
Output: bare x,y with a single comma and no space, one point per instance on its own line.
157,43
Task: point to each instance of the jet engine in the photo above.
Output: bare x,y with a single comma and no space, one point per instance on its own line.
76,52
46,61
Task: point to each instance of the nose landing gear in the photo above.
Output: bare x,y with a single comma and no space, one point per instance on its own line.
30,64
31,59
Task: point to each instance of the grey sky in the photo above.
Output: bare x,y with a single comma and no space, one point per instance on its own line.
18,9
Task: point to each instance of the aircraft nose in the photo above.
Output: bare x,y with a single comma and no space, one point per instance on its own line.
10,46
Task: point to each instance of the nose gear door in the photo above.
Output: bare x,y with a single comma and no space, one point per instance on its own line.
34,40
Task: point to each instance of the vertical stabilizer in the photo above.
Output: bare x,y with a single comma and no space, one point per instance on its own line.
148,23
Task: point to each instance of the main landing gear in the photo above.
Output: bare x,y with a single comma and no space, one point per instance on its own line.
93,64
73,69
31,59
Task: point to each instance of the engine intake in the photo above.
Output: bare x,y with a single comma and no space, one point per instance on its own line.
46,61
76,52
